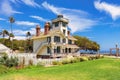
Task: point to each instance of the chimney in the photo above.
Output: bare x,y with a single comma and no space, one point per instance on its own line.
47,28
37,30
68,33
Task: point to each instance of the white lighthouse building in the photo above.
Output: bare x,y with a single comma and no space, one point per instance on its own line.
55,41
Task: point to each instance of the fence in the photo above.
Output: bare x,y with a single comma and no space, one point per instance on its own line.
48,61
24,57
27,57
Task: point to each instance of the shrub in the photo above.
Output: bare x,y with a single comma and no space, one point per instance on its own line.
40,64
83,59
57,63
66,61
74,60
92,57
9,62
101,56
3,69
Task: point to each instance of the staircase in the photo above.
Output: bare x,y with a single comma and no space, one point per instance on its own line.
42,44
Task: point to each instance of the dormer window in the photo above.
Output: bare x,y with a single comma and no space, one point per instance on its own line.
64,40
64,31
64,24
69,41
56,24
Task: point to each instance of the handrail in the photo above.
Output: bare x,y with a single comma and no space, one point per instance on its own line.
40,46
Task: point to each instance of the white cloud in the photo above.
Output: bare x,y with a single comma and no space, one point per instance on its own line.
20,37
78,20
113,10
30,3
39,18
27,2
2,19
14,1
6,8
21,34
26,23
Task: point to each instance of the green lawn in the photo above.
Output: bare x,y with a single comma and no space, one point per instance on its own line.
101,69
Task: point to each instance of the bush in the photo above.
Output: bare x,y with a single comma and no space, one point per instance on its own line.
3,69
83,59
9,62
74,60
66,61
57,63
101,56
54,62
92,57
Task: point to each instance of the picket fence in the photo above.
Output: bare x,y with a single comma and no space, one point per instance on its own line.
27,57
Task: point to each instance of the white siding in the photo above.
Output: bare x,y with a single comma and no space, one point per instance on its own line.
43,51
37,42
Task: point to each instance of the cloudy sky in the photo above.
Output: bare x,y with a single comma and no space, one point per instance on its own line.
99,20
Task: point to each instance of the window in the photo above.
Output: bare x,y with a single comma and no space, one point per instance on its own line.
66,50
56,39
56,24
48,50
48,39
64,31
58,49
64,40
69,41
69,50
64,24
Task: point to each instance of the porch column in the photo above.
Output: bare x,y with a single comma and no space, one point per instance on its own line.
72,50
52,50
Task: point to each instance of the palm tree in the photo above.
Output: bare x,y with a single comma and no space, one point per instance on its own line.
28,35
12,20
4,33
11,35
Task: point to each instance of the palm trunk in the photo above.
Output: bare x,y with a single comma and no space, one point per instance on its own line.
11,39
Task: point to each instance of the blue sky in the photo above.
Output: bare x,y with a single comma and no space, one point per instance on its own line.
99,20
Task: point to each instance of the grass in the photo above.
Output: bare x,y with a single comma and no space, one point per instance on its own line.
101,69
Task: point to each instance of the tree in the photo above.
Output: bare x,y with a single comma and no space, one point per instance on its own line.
86,44
11,36
28,34
29,42
12,20
4,33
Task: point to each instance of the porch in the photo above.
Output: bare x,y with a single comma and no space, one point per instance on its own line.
61,51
